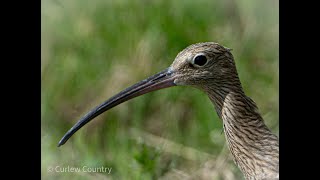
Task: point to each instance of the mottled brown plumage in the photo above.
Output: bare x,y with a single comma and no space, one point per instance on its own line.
210,67
254,148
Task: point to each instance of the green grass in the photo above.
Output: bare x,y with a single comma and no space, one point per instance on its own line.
93,49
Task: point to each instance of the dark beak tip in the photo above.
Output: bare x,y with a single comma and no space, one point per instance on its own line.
60,143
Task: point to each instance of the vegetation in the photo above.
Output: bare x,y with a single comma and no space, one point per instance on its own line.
93,49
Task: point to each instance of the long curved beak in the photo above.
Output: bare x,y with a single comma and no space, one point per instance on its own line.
160,80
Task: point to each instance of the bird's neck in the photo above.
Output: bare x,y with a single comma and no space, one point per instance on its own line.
254,148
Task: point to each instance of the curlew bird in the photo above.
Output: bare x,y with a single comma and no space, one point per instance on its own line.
210,67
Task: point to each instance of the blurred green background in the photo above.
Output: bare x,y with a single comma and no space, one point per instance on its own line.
91,50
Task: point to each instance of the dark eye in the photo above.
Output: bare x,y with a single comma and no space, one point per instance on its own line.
200,60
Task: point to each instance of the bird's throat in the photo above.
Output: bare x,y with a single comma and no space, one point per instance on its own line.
254,148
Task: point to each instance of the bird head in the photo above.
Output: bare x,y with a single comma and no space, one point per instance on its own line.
199,65
204,64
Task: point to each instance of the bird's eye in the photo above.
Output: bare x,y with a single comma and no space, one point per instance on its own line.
200,60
